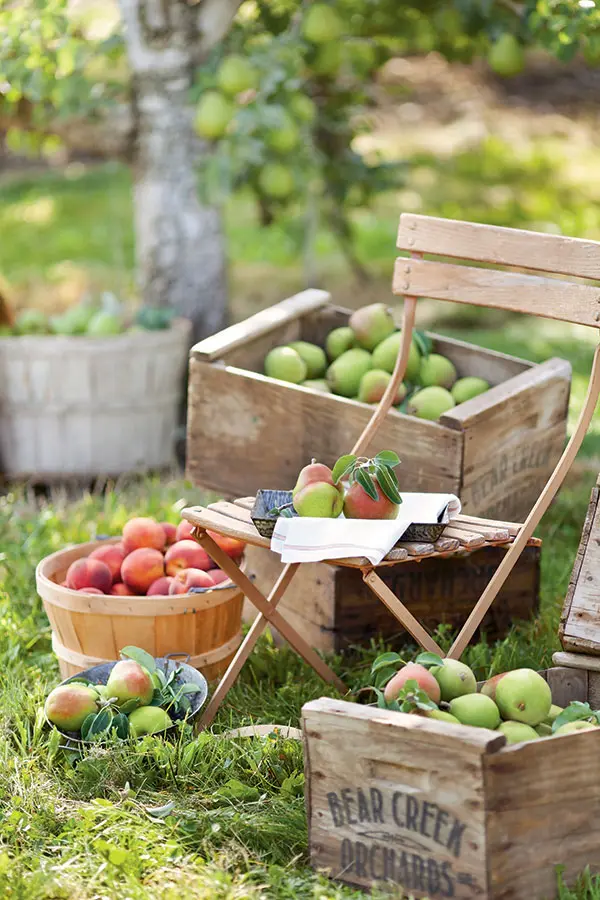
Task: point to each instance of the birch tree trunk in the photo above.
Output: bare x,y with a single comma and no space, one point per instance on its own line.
180,248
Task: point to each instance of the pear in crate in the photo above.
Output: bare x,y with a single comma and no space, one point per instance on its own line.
285,364
516,732
372,324
413,672
430,403
467,388
523,696
373,385
437,370
317,384
345,374
338,341
386,353
313,356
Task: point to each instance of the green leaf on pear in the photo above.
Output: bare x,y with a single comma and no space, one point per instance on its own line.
342,467
575,711
429,659
140,656
389,484
367,484
384,660
388,458
86,725
423,343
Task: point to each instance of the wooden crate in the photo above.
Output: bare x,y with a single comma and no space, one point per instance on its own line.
580,621
450,811
333,608
247,431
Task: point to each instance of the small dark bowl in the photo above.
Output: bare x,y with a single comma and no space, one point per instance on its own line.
100,674
265,524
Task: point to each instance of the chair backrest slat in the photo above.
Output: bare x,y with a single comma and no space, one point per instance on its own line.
502,246
516,291
513,291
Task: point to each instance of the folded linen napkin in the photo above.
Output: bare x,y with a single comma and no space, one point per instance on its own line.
312,540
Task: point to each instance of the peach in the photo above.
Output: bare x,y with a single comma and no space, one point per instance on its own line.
160,587
413,672
184,530
218,575
90,591
143,532
86,573
231,546
113,555
170,532
121,590
141,568
189,578
69,705
130,681
186,555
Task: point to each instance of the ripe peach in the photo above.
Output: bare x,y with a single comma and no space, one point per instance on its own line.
113,555
413,672
90,591
231,546
186,555
86,573
141,568
68,705
128,681
218,576
121,590
189,578
170,532
143,532
358,504
160,587
184,530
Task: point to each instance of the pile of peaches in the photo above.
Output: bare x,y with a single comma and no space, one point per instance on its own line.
151,559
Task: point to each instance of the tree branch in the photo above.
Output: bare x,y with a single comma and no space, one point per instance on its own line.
214,20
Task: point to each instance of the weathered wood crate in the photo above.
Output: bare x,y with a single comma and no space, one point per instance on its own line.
449,811
247,431
580,621
333,608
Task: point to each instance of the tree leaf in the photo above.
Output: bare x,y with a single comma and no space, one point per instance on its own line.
384,660
102,722
86,725
574,711
342,467
425,704
388,458
367,484
429,659
389,484
129,706
120,724
140,656
190,688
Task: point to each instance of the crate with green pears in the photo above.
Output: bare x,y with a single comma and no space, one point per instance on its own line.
452,788
302,379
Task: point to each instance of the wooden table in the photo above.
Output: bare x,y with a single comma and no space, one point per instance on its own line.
463,535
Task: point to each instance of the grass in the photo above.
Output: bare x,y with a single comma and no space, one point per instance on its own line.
236,829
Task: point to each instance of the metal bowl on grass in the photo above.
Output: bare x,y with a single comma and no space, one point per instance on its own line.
167,664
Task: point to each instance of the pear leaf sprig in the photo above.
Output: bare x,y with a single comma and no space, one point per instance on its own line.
365,472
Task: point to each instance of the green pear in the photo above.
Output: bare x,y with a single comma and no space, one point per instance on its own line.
454,678
213,114
69,705
437,370
506,56
236,74
477,710
313,356
523,696
372,324
148,720
543,729
430,403
440,715
128,680
317,384
319,500
345,373
517,732
104,324
338,341
555,711
373,385
572,727
467,388
286,364
386,353
322,24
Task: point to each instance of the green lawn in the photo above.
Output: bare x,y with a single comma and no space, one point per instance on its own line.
237,828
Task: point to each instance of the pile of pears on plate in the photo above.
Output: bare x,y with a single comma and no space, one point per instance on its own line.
358,360
518,703
138,698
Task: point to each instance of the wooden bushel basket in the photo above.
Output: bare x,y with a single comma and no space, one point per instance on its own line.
90,629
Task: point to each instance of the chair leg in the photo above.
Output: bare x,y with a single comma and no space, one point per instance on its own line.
399,610
533,519
250,590
247,646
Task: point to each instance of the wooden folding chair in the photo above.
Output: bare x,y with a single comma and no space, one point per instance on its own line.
494,283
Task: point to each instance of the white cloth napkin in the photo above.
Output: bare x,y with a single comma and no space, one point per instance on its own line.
312,540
